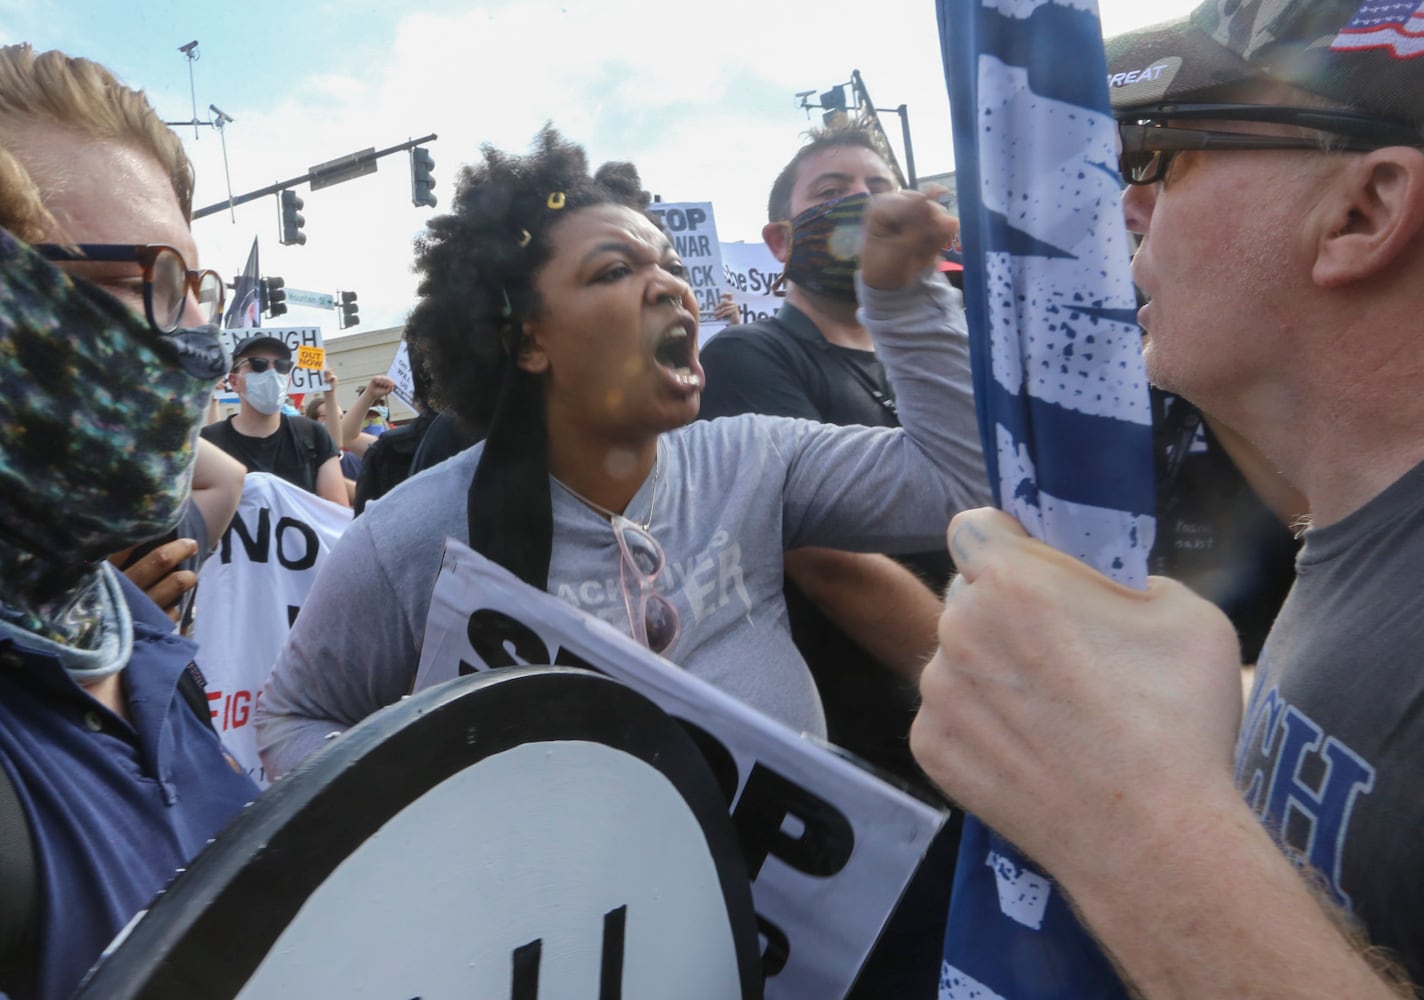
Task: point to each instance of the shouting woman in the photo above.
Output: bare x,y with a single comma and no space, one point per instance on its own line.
556,311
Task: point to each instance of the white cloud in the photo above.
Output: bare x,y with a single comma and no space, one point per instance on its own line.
341,88
698,96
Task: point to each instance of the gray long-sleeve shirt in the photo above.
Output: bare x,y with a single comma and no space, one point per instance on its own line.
733,494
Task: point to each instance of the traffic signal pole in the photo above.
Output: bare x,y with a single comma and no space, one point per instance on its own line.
292,219
833,103
422,178
342,165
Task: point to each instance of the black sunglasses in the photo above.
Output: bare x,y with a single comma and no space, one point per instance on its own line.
259,365
1149,143
167,280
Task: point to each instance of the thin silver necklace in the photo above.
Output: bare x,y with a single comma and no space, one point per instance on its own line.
647,522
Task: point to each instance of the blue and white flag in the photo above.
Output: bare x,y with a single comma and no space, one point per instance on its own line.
1063,404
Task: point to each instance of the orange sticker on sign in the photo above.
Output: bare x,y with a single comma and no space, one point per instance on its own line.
311,357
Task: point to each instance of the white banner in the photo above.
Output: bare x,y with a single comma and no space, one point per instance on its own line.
304,380
750,271
828,845
249,593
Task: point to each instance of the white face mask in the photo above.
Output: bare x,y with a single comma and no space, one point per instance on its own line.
265,390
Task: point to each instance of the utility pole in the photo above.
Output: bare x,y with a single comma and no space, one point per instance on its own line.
191,51
220,118
868,110
833,104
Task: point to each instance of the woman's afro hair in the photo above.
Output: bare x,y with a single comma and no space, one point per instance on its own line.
477,264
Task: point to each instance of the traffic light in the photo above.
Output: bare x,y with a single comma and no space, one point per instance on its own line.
421,181
272,294
349,310
292,219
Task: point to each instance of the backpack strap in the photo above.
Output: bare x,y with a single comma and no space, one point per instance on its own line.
305,431
193,686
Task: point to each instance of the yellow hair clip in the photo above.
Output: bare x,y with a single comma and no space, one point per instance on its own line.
556,200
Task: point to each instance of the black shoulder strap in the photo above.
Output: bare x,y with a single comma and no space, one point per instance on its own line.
1177,429
19,903
194,689
306,437
884,396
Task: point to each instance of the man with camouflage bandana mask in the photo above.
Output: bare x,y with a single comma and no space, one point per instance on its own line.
107,358
864,622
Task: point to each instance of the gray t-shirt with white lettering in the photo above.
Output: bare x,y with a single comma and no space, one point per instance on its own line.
1331,752
732,495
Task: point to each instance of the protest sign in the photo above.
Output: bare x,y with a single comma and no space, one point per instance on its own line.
249,593
693,230
525,834
311,357
303,380
751,271
829,846
400,374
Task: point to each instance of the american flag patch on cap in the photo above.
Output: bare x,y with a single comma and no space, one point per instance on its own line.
1397,25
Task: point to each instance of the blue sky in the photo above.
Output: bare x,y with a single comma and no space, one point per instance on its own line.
699,96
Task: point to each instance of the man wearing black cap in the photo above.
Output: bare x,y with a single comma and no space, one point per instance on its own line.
1275,169
265,439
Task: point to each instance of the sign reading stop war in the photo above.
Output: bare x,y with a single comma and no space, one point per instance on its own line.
296,338
693,231
829,846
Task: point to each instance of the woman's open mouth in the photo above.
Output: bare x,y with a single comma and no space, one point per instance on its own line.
676,353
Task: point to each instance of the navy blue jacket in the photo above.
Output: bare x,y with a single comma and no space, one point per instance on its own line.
115,808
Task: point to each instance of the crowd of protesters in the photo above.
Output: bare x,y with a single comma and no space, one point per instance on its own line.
1277,182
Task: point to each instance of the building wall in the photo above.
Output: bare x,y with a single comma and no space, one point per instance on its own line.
358,357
